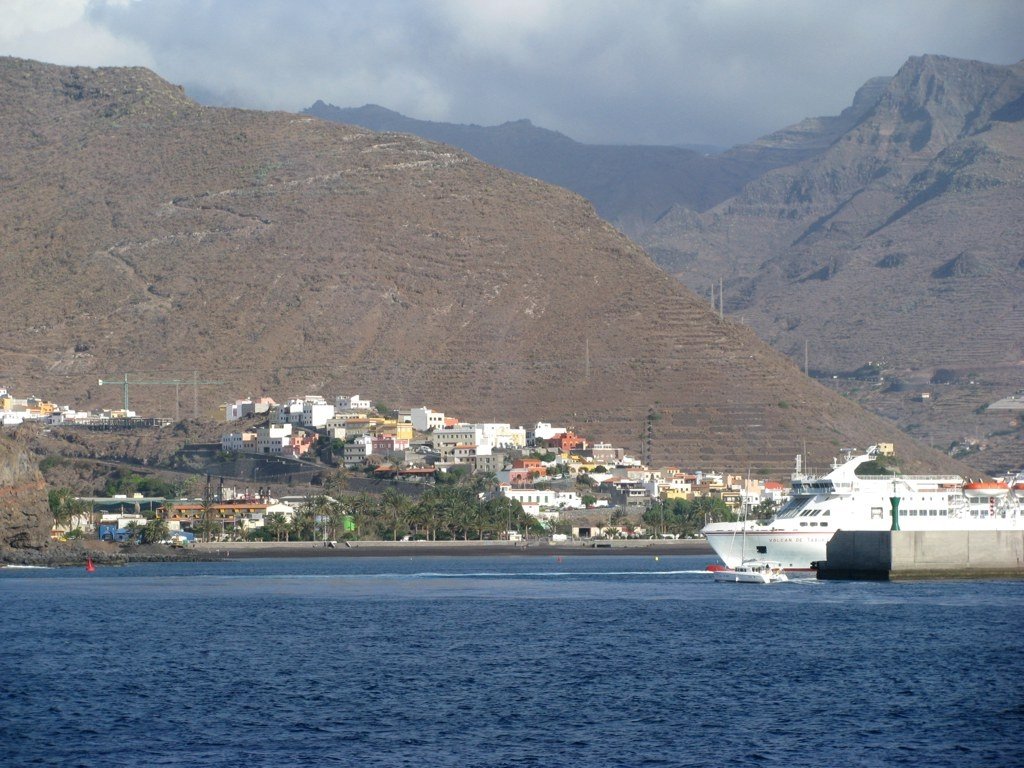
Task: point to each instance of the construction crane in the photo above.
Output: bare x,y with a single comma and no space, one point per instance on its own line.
176,383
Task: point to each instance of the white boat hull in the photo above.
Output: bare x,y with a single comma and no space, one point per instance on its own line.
798,535
753,572
791,549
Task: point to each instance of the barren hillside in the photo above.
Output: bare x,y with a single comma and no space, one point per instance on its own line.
285,255
901,244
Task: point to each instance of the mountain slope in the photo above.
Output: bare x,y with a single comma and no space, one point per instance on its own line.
901,243
282,254
630,186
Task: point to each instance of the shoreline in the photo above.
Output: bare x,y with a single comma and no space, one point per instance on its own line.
252,550
75,555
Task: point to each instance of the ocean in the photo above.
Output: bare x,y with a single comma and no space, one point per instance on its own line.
502,661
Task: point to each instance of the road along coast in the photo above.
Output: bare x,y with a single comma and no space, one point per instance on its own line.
533,548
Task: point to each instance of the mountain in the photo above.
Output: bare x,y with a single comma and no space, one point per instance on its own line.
900,245
25,519
630,186
281,254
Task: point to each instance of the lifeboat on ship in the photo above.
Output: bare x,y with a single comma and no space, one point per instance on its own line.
985,489
1018,490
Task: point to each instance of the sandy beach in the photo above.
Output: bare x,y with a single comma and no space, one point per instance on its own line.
73,554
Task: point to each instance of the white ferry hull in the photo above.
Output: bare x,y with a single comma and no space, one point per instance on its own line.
794,550
843,501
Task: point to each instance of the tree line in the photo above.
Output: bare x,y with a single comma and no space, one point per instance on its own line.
443,512
685,517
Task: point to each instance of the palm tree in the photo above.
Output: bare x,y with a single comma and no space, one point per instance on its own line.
65,508
502,514
394,507
336,483
318,510
364,514
155,531
304,523
483,482
276,524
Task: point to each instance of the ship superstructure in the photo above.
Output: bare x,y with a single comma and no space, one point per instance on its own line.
841,500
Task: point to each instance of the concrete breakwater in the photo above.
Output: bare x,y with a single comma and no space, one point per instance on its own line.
904,555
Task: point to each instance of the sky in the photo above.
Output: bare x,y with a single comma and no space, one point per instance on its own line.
714,72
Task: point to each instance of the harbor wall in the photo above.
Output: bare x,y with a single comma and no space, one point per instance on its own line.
898,555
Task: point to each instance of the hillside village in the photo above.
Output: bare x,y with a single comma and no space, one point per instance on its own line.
549,473
413,443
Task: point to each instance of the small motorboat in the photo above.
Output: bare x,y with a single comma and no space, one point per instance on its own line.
753,572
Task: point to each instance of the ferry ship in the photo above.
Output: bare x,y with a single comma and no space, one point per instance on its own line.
841,500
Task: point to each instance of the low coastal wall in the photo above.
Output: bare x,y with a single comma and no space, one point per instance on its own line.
245,549
899,555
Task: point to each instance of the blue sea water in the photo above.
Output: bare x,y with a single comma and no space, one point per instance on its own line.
498,661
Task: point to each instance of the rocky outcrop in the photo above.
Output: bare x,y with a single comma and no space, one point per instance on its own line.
25,519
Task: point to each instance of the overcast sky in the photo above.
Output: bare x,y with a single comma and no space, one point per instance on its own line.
601,71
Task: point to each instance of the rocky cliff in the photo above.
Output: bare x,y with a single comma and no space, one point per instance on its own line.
25,519
899,245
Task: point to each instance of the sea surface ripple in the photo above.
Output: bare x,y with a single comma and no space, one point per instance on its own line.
496,661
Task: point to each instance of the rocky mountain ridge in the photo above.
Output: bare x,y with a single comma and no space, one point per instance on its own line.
899,245
630,186
276,253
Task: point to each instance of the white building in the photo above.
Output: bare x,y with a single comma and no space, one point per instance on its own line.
309,411
335,427
274,440
424,419
248,407
287,413
543,431
486,437
357,451
504,435
544,500
238,442
315,414
351,403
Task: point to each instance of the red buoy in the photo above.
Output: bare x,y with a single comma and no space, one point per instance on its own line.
89,567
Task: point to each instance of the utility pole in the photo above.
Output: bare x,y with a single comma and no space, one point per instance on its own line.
124,384
176,383
647,439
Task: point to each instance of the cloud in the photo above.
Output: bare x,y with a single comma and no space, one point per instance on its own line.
648,71
60,32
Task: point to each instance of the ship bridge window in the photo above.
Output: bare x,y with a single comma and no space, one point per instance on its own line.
793,507
933,512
